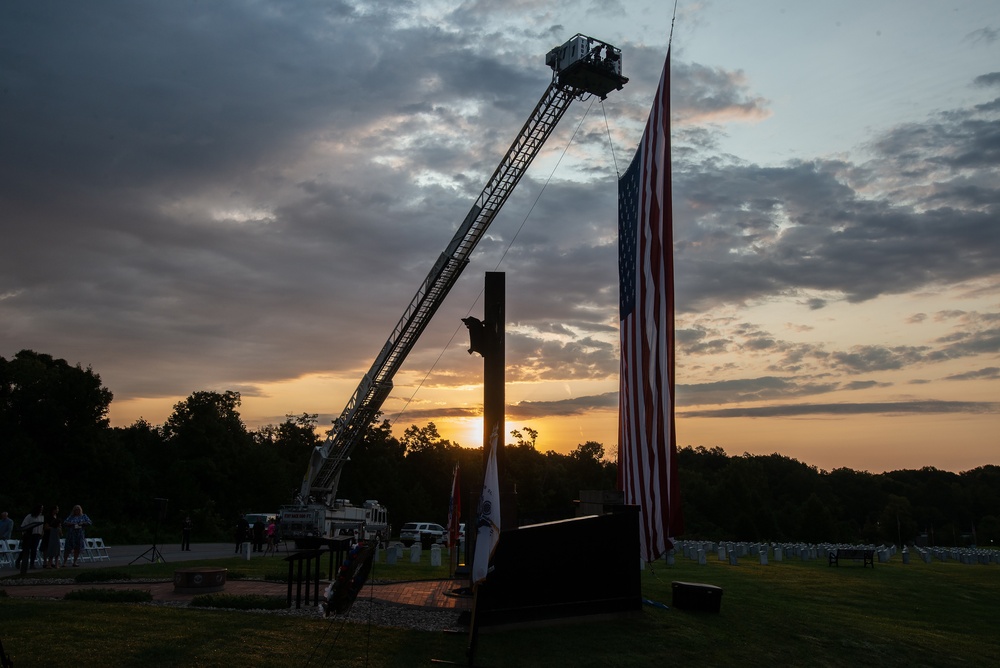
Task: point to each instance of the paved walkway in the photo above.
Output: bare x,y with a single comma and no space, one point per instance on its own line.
434,594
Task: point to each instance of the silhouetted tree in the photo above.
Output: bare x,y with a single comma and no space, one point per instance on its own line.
208,453
55,413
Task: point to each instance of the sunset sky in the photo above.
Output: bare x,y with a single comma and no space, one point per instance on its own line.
245,196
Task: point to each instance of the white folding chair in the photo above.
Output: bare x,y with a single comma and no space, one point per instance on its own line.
14,549
6,559
101,550
87,553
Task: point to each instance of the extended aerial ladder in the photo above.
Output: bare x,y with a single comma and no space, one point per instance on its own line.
582,66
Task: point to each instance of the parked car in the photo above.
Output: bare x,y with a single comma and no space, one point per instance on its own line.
413,532
253,518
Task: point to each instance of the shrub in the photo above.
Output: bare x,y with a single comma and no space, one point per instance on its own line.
240,602
110,595
102,575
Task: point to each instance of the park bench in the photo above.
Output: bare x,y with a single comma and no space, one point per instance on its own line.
866,556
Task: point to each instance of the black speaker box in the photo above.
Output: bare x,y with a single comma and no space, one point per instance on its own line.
696,596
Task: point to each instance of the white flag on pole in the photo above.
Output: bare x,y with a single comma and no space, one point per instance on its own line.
488,522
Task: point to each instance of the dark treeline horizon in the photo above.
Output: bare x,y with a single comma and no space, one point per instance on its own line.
58,447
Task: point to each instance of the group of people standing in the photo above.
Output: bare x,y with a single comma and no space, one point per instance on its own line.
44,532
257,534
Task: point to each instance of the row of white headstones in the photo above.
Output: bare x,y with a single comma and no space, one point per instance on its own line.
765,552
395,551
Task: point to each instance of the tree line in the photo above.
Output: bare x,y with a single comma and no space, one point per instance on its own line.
58,447
777,498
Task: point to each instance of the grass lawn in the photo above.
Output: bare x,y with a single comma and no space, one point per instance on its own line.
786,614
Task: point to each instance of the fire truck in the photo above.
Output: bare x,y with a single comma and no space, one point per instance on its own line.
303,523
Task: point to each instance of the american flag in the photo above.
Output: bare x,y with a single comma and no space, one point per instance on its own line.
647,451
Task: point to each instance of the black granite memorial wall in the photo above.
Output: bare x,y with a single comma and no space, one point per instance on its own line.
581,566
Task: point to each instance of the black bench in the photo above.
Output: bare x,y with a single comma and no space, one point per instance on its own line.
866,556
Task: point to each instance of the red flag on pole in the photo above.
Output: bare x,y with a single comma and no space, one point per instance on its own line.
647,450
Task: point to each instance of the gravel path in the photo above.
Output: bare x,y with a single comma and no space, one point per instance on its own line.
364,611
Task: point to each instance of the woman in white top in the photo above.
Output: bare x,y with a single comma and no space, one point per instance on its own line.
31,536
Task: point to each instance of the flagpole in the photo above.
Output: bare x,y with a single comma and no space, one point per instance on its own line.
673,17
470,652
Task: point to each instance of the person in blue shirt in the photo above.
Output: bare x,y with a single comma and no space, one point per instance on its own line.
6,526
75,526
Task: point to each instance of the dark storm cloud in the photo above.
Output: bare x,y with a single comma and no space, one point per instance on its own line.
700,341
975,343
808,369
724,393
886,408
864,385
217,195
578,406
749,389
863,359
744,231
195,217
160,199
991,79
523,410
702,94
532,359
438,413
987,373
972,334
987,34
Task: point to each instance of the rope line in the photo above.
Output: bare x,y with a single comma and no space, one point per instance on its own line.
610,143
322,639
546,185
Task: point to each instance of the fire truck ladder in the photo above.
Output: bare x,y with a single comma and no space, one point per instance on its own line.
323,475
